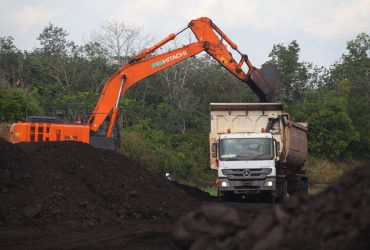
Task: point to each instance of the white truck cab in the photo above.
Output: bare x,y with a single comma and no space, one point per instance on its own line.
256,148
246,162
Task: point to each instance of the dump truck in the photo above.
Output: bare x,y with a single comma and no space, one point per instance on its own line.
256,148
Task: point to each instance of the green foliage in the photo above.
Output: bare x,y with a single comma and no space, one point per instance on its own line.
64,75
324,171
359,111
16,104
294,74
181,155
9,58
331,131
351,77
354,67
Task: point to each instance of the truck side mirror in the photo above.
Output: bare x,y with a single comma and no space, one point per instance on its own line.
214,149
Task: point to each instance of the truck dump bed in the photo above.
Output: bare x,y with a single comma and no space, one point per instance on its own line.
295,149
242,117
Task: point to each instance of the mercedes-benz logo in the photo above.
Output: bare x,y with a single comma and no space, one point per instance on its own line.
246,172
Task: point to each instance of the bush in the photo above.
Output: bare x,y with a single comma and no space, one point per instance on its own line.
184,156
16,103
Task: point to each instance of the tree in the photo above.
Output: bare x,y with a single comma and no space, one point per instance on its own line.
54,41
10,58
294,74
331,130
351,77
51,60
120,40
16,103
355,67
62,72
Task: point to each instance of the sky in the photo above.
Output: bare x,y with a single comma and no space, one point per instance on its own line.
321,27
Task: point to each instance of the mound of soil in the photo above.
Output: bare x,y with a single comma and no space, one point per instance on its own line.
78,185
194,192
337,218
5,131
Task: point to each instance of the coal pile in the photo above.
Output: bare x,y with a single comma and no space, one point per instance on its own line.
80,186
337,218
5,131
194,192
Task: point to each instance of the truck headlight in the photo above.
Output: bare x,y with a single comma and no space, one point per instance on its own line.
269,183
224,184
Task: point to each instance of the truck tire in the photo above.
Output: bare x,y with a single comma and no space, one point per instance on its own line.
293,186
298,185
282,191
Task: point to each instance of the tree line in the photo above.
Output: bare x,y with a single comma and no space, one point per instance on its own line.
165,117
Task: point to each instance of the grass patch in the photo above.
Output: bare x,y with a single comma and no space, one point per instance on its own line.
323,171
317,188
211,190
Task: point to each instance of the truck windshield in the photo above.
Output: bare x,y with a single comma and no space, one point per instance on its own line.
246,149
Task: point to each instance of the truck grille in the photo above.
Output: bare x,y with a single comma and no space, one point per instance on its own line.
247,173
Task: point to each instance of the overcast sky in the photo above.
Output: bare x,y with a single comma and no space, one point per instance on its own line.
321,27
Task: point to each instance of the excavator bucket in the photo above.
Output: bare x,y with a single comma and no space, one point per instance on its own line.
265,82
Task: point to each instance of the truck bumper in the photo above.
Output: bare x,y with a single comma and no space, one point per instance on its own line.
247,186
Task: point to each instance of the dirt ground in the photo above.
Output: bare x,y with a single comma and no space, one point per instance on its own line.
73,196
5,131
139,234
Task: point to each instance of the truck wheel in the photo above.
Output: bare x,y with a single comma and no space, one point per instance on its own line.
293,185
283,191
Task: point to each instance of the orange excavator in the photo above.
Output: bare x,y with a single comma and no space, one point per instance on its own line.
100,128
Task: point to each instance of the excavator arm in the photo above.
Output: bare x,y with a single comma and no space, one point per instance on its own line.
209,39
